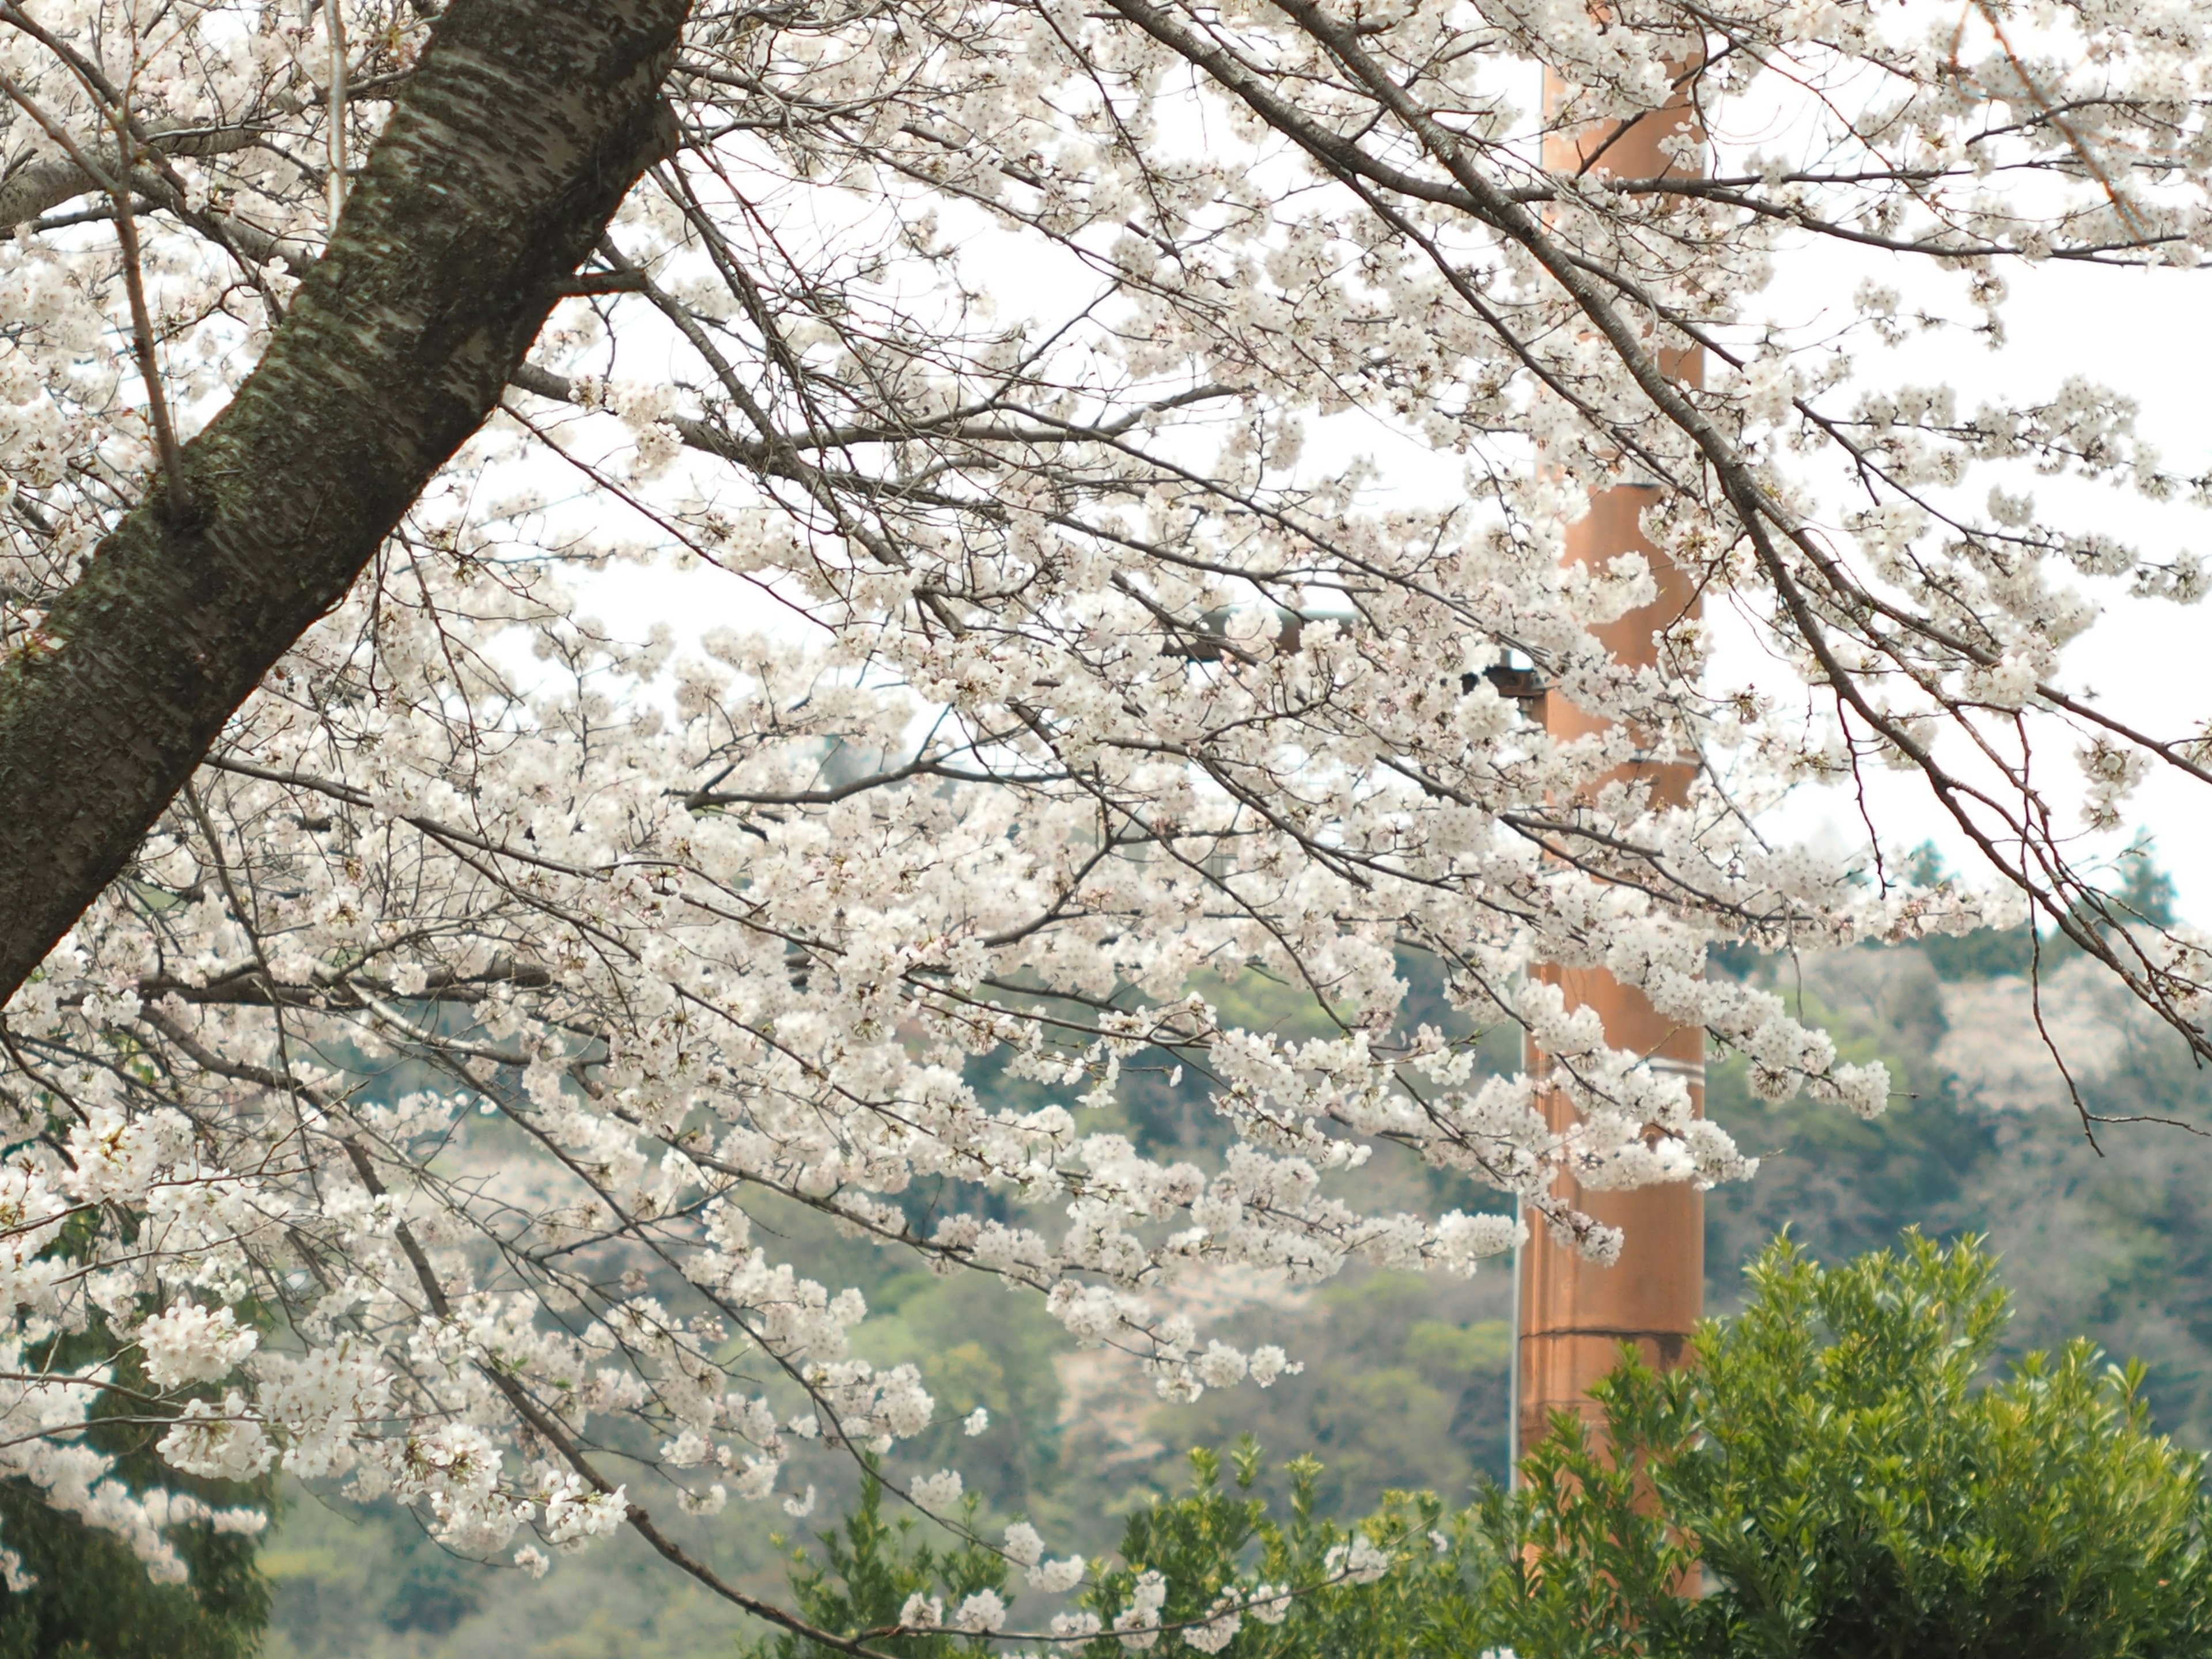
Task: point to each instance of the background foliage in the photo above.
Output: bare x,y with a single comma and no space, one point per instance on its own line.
87,1596
1840,1465
1405,1379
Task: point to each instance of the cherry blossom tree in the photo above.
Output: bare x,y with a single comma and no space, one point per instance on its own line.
956,361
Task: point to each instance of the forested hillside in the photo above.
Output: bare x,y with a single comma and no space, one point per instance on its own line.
1405,1378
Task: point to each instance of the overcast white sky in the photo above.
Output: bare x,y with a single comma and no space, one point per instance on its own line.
2143,334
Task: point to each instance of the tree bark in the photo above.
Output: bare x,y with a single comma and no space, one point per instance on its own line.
503,160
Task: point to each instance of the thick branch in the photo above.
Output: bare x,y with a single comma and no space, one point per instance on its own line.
505,158
41,186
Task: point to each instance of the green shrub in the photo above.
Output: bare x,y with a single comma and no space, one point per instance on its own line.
1851,1485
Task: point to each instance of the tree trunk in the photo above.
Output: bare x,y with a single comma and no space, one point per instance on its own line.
505,157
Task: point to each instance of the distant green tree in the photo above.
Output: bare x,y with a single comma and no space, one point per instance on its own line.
2146,890
93,1600
90,1597
1391,1395
2146,893
86,1594
1848,1184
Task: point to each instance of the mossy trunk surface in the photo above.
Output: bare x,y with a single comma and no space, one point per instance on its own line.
505,157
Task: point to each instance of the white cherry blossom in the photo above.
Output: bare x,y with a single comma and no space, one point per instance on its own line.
409,1105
